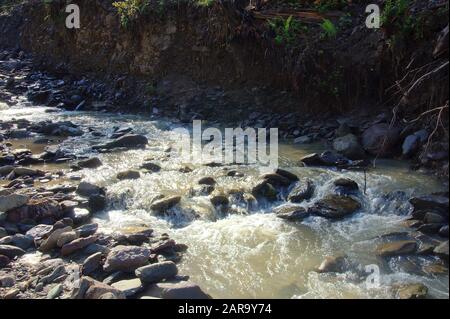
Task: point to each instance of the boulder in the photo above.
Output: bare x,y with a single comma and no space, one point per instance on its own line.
125,141
18,240
164,204
263,189
52,240
345,186
157,272
349,146
303,190
87,230
93,162
286,174
182,290
332,264
126,258
12,201
207,181
431,202
87,189
77,245
291,212
97,290
97,203
380,139
220,200
129,287
397,248
66,237
152,167
412,291
92,263
335,206
11,251
130,174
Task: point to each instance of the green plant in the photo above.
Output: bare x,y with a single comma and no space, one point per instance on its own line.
399,21
328,28
204,3
130,10
286,30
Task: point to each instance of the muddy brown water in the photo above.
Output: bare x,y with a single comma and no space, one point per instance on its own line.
250,254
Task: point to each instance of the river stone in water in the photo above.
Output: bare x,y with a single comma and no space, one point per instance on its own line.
291,212
380,139
335,206
126,141
265,190
404,247
93,162
87,189
431,202
126,258
332,264
130,174
303,190
157,272
349,146
165,204
412,291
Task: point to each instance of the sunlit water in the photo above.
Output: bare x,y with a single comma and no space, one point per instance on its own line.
250,253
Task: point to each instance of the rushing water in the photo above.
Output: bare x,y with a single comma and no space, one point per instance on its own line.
251,253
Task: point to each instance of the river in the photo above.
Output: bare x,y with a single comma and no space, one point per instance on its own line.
250,253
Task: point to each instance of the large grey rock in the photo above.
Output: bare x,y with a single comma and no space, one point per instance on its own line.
87,189
165,204
129,287
157,272
130,174
77,245
11,251
126,141
397,248
182,290
126,258
18,240
349,146
431,202
12,201
380,139
93,162
335,206
291,212
303,190
92,263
